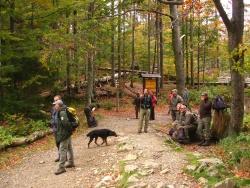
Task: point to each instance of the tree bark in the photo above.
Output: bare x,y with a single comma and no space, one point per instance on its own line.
161,49
187,51
149,33
90,57
113,44
177,47
235,28
191,48
133,47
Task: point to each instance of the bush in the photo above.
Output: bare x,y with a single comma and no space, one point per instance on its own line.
5,137
107,105
236,147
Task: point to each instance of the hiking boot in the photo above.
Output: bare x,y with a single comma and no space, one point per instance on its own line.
60,171
69,165
145,131
139,132
206,143
200,143
57,159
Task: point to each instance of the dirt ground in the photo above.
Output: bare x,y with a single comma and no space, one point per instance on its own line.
37,169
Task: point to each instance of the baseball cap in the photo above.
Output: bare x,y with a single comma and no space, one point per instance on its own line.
58,102
204,94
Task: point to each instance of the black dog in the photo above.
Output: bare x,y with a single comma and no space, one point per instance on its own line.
103,133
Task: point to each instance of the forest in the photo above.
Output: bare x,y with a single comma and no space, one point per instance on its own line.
95,51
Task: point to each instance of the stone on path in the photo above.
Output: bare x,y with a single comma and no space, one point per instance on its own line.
164,171
130,157
208,161
130,168
202,180
151,164
191,167
139,185
227,183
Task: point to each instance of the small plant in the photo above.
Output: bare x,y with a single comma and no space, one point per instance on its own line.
5,137
123,182
236,147
174,145
107,105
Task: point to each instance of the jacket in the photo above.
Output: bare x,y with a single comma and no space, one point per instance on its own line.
205,109
174,101
146,102
64,127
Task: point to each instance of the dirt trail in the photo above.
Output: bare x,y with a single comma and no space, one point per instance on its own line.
37,170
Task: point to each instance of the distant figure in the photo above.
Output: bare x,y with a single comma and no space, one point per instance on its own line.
146,102
63,137
154,102
205,116
89,113
175,99
186,97
136,103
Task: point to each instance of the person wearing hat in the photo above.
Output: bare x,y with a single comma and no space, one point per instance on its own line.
63,137
205,116
145,105
53,123
173,104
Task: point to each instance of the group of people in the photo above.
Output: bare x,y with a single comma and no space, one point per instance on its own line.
188,126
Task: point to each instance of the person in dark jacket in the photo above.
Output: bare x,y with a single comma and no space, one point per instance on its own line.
154,102
63,137
91,121
205,116
146,102
53,124
136,103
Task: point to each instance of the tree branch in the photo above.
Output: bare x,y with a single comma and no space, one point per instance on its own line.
171,2
223,14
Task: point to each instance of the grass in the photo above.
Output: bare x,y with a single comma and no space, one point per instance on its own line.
174,145
123,182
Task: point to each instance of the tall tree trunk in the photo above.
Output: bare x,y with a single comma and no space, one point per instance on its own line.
235,28
68,59
161,49
204,52
133,46
198,50
12,16
192,48
149,33
119,54
90,57
187,51
113,44
177,47
123,36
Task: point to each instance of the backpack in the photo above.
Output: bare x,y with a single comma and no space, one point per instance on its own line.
219,103
73,118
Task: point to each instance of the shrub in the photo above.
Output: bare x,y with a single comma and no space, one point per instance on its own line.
236,147
107,105
5,137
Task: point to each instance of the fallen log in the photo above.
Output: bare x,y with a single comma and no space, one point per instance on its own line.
26,140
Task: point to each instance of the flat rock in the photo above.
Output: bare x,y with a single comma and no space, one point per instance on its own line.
227,183
130,157
164,171
202,180
133,179
130,168
161,185
191,167
139,185
214,161
151,164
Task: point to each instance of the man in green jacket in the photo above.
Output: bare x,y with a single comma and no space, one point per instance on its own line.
63,137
